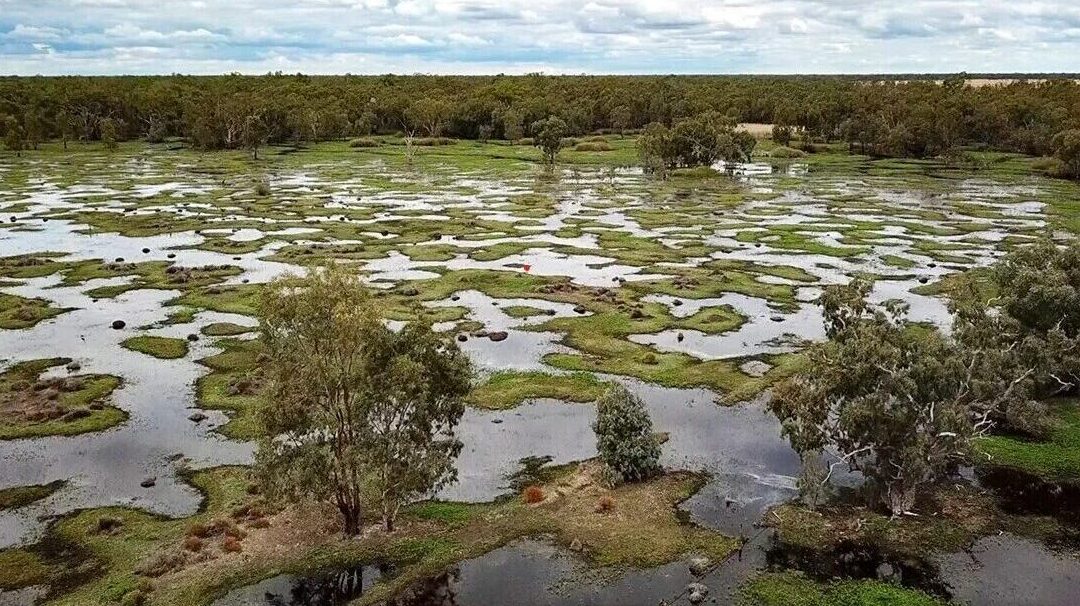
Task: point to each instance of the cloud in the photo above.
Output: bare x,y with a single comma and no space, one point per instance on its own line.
517,36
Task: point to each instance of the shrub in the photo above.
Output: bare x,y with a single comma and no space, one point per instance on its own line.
1066,146
598,146
134,597
533,494
624,436
193,544
786,152
364,142
433,141
605,504
109,524
1049,166
161,563
262,189
198,529
232,545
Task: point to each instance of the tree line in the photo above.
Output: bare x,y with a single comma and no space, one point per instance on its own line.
916,118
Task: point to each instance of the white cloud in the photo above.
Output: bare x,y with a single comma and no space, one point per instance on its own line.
571,36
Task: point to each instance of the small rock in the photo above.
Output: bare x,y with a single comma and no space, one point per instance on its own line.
777,318
497,421
197,417
697,593
462,337
498,335
74,367
677,303
193,337
171,256
410,292
679,337
885,571
119,259
455,298
580,309
146,250
699,566
549,312
924,280
118,324
148,482
755,368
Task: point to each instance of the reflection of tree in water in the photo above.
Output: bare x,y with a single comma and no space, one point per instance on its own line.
440,590
328,590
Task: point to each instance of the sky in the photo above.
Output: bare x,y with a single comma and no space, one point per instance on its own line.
57,37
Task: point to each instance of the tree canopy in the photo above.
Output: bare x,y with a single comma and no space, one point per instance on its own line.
355,413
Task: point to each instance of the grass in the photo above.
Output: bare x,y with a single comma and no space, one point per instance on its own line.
1055,459
21,496
642,529
793,589
225,329
20,397
163,348
19,312
229,387
507,389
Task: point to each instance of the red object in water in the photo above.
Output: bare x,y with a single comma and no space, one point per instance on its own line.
526,267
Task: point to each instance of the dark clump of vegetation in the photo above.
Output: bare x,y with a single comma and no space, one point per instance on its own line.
625,440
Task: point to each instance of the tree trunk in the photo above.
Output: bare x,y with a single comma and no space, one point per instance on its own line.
900,498
352,519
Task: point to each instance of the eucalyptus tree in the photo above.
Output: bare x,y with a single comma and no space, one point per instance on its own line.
355,413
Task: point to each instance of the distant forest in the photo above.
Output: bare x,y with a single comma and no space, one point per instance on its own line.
909,116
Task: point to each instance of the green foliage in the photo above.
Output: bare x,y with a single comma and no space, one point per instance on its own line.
21,496
924,118
1038,292
783,134
506,389
254,134
164,348
1066,146
356,412
13,135
548,136
692,142
1055,459
793,589
898,402
624,436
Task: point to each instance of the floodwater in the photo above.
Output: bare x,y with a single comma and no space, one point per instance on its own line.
752,467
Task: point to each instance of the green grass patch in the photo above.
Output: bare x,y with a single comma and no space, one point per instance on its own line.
21,496
794,589
1055,459
163,348
507,389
